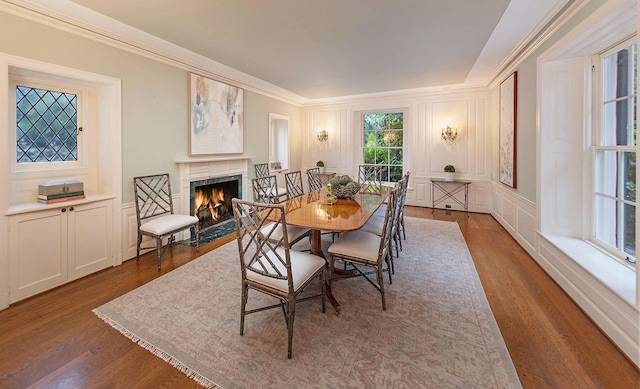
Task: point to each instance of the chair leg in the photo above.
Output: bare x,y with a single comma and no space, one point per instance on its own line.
381,283
323,286
291,312
159,247
243,305
138,247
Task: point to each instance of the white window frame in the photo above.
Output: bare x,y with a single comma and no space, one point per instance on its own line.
596,144
405,133
82,109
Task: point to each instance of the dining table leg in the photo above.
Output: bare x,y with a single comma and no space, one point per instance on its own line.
316,249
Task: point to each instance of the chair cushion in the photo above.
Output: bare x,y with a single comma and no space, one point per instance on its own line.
357,244
279,192
165,224
374,225
381,211
293,232
303,267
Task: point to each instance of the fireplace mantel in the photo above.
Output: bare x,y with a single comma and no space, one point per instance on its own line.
193,169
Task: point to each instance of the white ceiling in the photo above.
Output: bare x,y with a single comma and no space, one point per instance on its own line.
328,48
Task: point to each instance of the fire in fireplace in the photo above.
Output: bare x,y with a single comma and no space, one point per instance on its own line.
211,199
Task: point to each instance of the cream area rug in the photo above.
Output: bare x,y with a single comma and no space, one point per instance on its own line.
437,332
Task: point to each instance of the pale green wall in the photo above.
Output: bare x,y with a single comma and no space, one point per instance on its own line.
256,125
527,110
154,98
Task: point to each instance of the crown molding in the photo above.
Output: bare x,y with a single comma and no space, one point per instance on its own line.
556,18
70,17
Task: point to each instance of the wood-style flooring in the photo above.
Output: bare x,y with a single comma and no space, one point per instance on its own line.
54,340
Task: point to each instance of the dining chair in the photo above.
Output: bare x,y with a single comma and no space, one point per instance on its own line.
402,196
359,247
293,181
370,178
262,170
313,176
155,216
269,266
263,190
375,224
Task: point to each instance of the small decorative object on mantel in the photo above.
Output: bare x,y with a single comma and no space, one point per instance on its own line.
344,187
55,191
448,172
320,166
276,166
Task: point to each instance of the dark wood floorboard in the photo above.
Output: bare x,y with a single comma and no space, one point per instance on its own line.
54,340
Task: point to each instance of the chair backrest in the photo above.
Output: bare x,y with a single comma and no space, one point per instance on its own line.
262,169
387,228
152,195
313,176
257,245
294,184
399,201
403,191
264,190
370,178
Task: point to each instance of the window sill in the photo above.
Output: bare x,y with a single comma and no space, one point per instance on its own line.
616,276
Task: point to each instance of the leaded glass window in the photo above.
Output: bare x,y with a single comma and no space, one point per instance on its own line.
46,125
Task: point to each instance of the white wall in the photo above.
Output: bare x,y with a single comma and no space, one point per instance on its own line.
425,153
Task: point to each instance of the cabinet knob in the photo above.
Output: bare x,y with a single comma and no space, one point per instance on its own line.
70,208
63,210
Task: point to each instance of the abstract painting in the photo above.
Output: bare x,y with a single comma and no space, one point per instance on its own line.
215,117
508,116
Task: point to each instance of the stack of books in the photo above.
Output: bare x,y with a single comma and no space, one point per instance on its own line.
56,191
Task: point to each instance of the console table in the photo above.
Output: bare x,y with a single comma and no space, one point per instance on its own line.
449,189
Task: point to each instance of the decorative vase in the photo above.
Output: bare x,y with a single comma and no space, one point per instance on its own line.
321,169
448,176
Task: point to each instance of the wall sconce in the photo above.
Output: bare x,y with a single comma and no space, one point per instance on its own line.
448,135
323,135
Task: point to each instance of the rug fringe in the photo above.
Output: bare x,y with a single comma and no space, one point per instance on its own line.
197,377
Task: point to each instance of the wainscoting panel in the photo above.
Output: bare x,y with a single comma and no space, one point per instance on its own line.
615,316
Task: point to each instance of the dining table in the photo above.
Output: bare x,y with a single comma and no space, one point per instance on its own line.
313,211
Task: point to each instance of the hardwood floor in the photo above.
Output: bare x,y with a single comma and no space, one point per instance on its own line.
54,340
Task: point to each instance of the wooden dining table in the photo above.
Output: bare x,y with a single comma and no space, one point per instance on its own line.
310,210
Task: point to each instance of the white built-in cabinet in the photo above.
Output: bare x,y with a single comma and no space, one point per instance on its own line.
59,244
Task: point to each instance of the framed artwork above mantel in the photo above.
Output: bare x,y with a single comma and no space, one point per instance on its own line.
508,121
215,117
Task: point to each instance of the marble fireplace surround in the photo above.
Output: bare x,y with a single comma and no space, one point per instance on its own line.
195,169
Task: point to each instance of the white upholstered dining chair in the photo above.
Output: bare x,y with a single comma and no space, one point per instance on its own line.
262,170
268,265
154,213
360,248
263,189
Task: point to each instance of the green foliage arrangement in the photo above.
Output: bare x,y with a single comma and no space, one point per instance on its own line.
320,164
344,187
449,169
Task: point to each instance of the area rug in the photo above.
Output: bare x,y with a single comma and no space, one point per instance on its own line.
438,330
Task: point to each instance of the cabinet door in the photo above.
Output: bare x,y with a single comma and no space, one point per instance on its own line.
89,237
37,251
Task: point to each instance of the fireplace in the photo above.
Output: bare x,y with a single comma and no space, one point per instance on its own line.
210,200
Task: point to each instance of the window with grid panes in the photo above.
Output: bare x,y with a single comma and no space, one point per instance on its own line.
46,125
614,147
383,142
